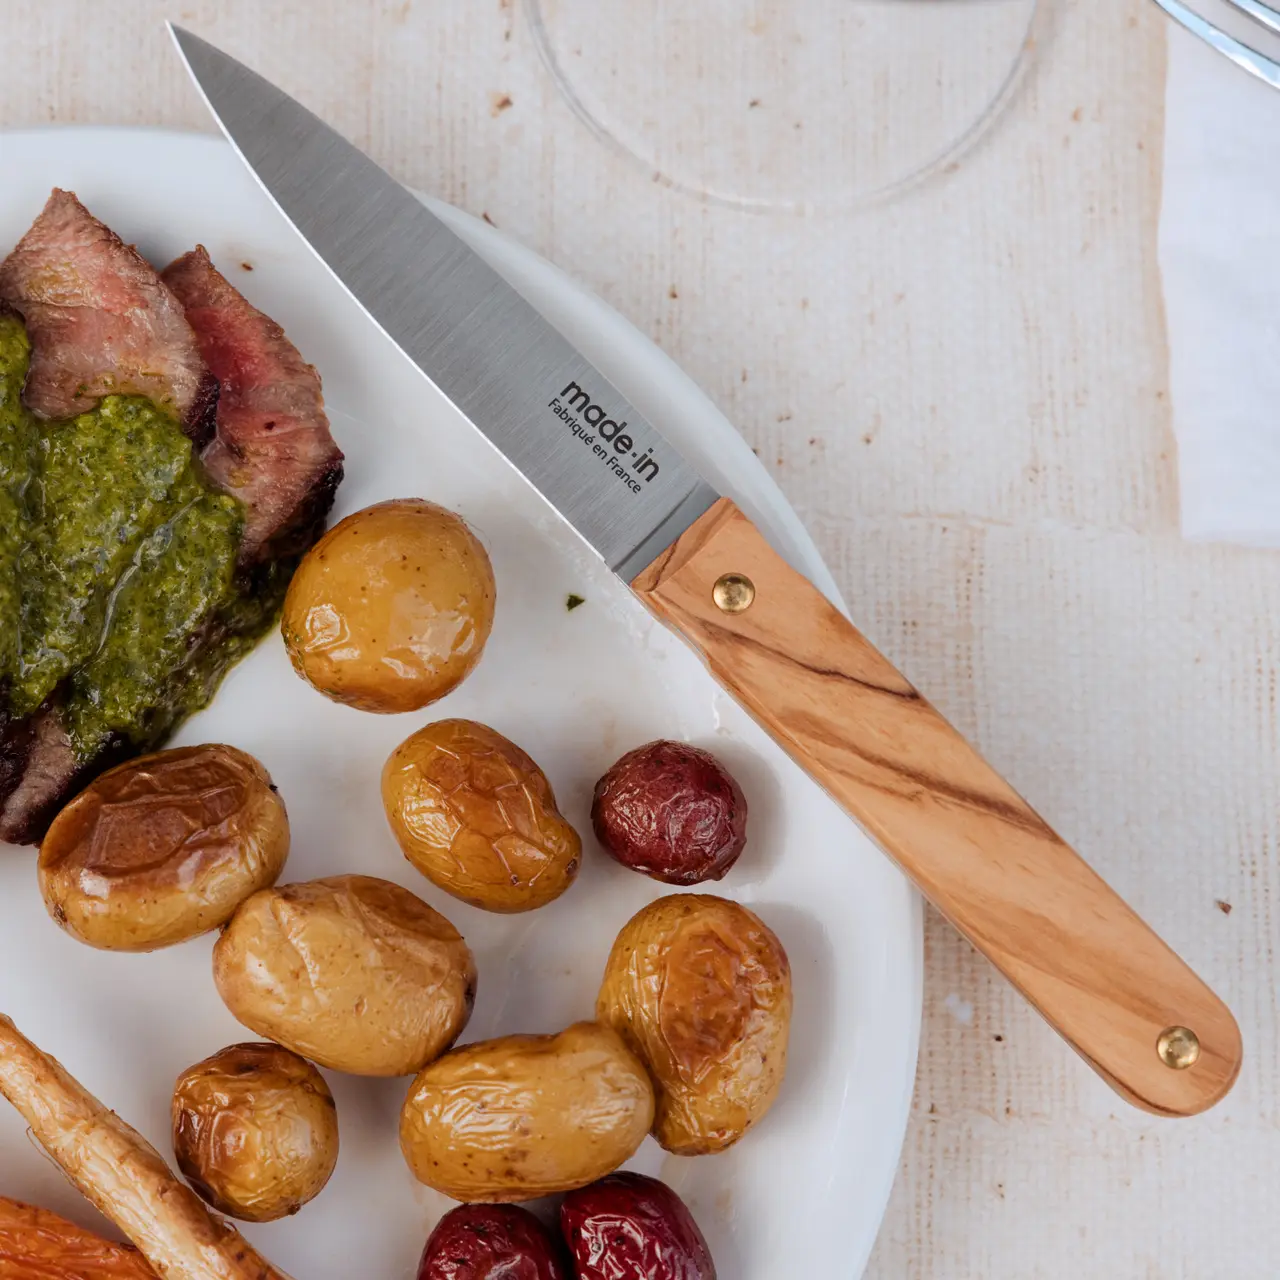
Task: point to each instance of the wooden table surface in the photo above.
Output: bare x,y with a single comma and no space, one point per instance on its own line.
964,395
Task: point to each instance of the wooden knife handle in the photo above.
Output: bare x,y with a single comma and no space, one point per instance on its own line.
1118,995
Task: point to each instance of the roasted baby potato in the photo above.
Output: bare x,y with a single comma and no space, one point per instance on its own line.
255,1131
492,1242
700,989
673,812
163,848
352,972
478,818
526,1116
629,1227
391,609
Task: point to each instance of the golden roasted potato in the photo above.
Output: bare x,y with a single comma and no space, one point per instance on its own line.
701,990
526,1116
391,609
255,1131
163,848
352,972
478,818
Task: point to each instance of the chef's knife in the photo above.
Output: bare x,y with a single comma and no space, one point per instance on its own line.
1137,1014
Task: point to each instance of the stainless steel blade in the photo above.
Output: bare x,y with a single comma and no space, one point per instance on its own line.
547,409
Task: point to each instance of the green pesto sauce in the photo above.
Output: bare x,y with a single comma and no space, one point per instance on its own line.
240,622
102,482
180,575
16,441
118,566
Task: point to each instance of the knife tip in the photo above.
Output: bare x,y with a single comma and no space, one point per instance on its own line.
176,33
181,37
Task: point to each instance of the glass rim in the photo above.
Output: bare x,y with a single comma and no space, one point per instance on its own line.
959,146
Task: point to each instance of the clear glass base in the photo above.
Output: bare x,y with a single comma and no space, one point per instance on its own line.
786,104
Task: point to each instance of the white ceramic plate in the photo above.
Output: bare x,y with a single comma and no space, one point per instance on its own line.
803,1194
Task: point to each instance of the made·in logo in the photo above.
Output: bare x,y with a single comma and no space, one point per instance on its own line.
614,433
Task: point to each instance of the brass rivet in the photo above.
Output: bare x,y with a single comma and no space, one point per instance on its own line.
1179,1048
733,593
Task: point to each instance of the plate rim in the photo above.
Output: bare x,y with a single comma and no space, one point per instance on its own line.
765,501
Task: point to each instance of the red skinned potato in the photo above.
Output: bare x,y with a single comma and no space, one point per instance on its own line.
492,1242
671,811
629,1227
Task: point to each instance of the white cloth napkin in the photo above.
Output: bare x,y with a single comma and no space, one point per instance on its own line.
1220,258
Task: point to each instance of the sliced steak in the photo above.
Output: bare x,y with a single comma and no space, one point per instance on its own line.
101,322
272,449
48,771
52,774
15,749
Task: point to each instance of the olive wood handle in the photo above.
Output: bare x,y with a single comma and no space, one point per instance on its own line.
1115,992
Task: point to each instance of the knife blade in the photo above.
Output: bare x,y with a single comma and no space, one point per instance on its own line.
1101,977
543,406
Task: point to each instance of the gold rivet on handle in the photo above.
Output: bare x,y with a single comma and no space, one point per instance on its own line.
733,593
1179,1048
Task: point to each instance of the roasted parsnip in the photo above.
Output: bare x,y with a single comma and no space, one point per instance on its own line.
121,1173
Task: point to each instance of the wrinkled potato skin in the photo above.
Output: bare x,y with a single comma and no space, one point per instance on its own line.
526,1116
255,1131
700,988
478,818
163,848
353,972
629,1227
492,1242
671,811
391,609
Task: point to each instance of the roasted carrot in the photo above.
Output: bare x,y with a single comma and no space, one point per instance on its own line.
36,1244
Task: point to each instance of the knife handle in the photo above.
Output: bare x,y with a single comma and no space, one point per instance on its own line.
1097,973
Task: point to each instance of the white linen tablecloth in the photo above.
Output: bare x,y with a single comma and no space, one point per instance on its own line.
966,396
